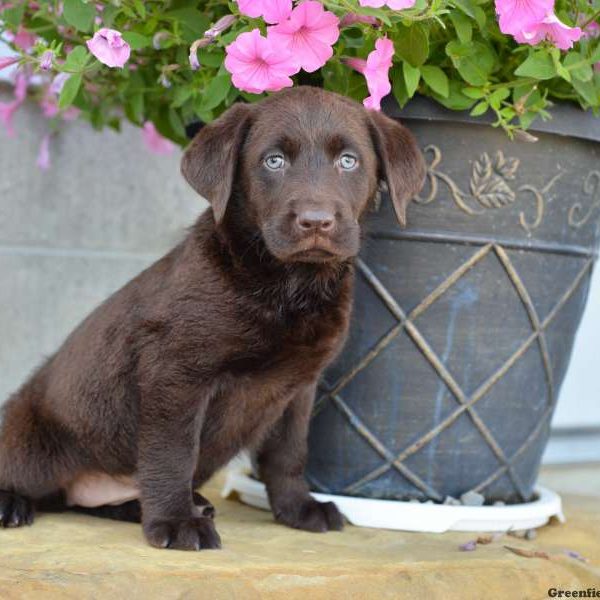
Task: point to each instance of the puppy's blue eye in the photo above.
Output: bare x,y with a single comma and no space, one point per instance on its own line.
274,162
348,162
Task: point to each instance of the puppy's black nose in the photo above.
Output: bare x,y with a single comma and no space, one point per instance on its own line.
315,221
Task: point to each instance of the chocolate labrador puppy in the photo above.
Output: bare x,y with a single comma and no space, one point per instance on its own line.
219,345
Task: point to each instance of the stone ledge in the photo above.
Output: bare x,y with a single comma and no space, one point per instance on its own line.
74,556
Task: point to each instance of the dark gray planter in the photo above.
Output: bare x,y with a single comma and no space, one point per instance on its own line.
464,322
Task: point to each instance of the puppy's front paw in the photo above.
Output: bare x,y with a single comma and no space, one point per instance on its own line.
195,533
310,515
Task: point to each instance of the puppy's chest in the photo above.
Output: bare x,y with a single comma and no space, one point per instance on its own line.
292,346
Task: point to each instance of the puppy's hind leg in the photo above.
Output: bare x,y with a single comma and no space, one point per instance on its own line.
35,456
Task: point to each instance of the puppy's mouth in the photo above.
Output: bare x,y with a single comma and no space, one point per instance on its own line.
314,255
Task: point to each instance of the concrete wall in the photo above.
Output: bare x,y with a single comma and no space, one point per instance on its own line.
71,236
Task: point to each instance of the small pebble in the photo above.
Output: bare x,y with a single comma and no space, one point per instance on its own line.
414,501
468,546
450,501
499,503
574,554
518,533
530,534
472,498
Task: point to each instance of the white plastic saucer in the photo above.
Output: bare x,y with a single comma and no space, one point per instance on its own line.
411,516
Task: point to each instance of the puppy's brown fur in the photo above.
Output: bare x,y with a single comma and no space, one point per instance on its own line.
217,346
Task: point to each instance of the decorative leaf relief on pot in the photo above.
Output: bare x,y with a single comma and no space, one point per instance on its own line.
591,187
490,187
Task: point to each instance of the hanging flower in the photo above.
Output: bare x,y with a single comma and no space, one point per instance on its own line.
8,61
376,71
43,158
551,29
309,35
109,47
8,109
46,60
156,143
352,18
58,83
223,24
393,4
272,11
257,64
193,56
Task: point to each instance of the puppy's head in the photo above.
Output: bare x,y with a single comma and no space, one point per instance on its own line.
306,164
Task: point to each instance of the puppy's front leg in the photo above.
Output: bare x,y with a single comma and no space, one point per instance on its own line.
281,461
170,425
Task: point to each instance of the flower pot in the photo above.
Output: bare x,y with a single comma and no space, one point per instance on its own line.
464,321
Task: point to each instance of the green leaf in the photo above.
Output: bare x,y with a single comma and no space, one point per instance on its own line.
140,8
192,20
69,91
583,71
176,123
79,14
412,44
472,92
13,16
498,96
77,60
134,108
474,61
412,75
479,109
211,58
463,26
398,85
538,65
214,94
436,79
588,91
137,41
456,100
181,95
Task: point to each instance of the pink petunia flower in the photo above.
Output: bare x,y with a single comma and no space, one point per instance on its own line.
8,61
309,34
376,71
109,47
258,64
155,142
393,4
24,39
518,15
8,109
43,158
551,29
272,11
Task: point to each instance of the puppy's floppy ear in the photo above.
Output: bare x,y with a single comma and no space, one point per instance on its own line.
400,161
210,162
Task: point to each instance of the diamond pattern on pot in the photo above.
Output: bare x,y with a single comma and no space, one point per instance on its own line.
404,461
